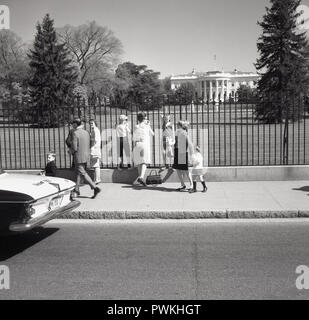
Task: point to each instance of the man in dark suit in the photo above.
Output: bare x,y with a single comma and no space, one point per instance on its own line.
81,152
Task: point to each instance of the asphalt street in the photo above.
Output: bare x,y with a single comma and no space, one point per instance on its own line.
155,259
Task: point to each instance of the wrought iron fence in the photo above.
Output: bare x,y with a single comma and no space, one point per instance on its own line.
228,132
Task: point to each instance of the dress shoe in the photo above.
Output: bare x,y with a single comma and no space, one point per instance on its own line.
95,192
142,182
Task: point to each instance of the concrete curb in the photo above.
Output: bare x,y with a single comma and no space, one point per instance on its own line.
211,214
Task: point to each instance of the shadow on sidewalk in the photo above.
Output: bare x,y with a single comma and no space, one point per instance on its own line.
155,187
304,189
149,187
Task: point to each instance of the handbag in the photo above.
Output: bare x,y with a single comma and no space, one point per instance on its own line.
154,178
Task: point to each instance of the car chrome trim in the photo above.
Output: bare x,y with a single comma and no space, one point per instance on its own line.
31,223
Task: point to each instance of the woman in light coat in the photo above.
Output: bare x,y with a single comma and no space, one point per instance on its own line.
141,152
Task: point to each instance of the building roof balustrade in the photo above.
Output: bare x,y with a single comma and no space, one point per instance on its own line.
230,76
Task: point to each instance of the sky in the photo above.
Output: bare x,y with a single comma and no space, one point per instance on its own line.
169,36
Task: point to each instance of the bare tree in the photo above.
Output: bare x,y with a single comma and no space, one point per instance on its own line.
13,58
94,48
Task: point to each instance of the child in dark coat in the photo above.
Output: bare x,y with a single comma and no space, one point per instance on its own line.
50,168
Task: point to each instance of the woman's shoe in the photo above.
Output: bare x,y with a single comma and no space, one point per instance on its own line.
193,187
204,186
181,188
192,190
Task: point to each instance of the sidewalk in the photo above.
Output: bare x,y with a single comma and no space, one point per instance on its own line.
250,199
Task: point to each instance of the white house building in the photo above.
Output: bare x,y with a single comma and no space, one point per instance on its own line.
216,83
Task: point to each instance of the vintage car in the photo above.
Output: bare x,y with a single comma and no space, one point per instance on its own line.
28,200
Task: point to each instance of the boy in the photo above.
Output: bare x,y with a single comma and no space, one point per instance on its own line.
50,168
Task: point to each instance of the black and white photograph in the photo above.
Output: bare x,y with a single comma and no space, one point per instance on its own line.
154,151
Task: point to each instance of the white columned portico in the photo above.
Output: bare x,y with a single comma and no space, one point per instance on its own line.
224,82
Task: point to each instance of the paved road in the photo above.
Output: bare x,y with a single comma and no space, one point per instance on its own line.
187,259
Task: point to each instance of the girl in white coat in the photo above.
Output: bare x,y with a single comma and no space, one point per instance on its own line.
198,170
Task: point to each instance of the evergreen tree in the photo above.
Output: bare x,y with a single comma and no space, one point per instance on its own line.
282,63
246,94
53,75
